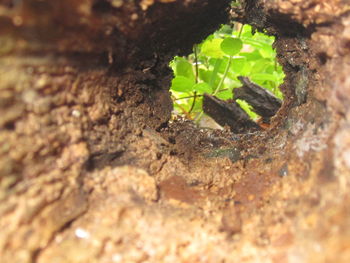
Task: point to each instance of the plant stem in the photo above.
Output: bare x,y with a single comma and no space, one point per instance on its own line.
199,117
188,97
195,62
193,102
240,31
196,77
187,114
198,95
223,77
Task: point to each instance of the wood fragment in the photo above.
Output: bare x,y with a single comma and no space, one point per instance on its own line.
263,102
228,113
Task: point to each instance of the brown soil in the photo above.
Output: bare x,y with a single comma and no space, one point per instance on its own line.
92,170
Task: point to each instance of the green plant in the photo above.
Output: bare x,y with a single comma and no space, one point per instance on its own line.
214,65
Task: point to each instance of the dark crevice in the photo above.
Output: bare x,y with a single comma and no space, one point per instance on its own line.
102,7
100,160
323,57
10,126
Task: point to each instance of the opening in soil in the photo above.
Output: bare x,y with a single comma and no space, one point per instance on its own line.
233,72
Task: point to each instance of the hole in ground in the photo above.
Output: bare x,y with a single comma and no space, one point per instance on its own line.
232,74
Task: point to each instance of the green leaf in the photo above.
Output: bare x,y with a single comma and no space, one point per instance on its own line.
267,52
260,44
231,46
245,106
247,31
260,65
202,87
181,83
204,75
263,77
223,65
209,38
211,48
215,72
279,76
226,29
198,106
270,69
224,94
238,64
184,68
251,56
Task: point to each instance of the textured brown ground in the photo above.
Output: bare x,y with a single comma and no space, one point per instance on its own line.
91,169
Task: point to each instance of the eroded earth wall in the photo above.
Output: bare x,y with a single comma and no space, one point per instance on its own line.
91,169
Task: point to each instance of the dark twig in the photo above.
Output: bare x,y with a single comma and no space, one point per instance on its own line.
198,95
188,97
228,113
263,102
196,77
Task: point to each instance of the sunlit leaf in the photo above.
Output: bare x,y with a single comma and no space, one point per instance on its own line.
245,106
226,30
263,76
204,75
225,94
260,65
214,74
211,48
184,68
231,46
267,52
251,56
181,83
238,64
223,64
202,87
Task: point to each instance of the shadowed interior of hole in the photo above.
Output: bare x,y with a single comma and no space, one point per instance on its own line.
215,66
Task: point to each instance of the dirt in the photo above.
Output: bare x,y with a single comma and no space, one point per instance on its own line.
93,169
